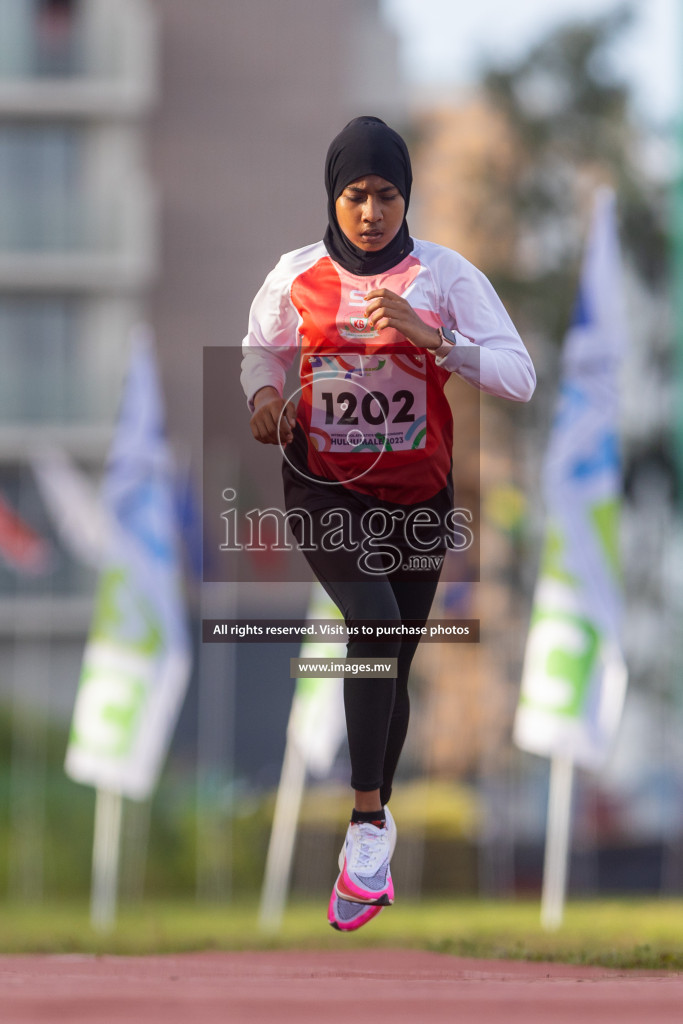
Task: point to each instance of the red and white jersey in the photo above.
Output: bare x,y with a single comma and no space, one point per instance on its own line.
371,403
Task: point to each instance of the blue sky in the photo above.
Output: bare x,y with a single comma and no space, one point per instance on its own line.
444,42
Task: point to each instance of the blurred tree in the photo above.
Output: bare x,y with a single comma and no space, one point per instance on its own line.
507,178
573,121
572,118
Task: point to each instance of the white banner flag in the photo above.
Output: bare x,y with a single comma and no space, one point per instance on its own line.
137,660
574,678
316,722
74,505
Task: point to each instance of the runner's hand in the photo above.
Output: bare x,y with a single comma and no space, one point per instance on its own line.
264,421
387,309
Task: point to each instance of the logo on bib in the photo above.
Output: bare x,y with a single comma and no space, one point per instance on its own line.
357,326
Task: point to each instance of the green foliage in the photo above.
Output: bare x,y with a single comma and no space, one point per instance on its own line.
572,121
562,96
227,833
36,797
39,804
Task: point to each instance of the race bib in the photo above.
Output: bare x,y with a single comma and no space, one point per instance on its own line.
372,402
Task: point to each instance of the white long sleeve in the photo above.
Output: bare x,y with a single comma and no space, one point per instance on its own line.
489,352
447,289
272,338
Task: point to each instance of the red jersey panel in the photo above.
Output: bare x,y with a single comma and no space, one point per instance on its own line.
370,403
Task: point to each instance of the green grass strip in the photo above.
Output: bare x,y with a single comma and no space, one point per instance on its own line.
622,934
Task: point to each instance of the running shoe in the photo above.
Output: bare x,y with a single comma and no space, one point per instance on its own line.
365,875
346,916
391,828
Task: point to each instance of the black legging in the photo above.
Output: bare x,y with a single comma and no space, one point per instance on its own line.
377,710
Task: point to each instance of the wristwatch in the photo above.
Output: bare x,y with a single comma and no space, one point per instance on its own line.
447,343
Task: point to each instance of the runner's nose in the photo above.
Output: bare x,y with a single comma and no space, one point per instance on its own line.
372,210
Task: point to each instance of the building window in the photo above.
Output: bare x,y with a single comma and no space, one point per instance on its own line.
41,205
56,37
40,38
42,381
59,365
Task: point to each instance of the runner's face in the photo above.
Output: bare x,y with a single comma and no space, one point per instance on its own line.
370,212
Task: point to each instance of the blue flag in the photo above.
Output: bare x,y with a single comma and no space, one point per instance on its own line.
137,660
574,677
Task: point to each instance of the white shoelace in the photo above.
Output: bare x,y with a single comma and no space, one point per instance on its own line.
370,849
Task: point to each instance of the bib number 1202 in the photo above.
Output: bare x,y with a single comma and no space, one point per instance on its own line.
374,407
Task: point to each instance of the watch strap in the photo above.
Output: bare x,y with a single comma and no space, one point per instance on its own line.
448,342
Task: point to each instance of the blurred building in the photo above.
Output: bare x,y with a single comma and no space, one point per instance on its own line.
156,158
78,253
466,163
250,97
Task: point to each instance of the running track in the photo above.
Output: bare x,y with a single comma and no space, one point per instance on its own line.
327,988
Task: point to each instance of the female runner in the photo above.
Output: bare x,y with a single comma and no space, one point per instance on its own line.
379,320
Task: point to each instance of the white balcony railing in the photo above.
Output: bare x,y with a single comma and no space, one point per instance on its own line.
99,61
101,245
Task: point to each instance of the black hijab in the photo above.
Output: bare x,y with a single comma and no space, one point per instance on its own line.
366,146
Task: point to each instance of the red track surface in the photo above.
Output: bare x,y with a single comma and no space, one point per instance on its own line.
375,985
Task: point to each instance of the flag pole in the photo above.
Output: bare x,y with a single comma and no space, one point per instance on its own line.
574,680
136,662
105,859
677,251
557,836
282,836
215,751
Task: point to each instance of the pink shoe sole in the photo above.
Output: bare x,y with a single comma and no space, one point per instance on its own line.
346,916
347,890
